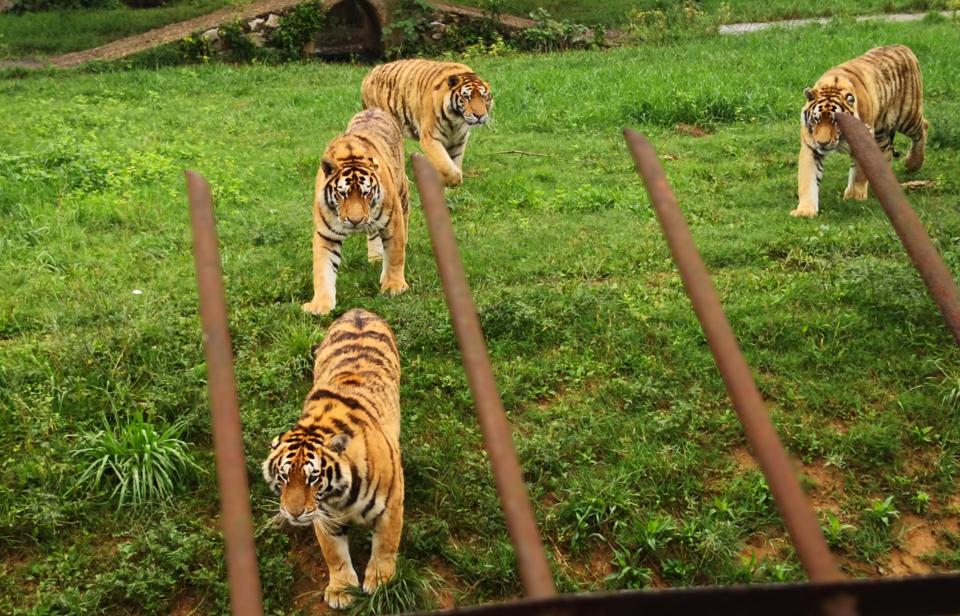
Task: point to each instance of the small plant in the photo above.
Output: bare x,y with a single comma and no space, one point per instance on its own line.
835,530
550,34
920,502
408,591
627,574
297,29
239,46
141,461
882,512
195,48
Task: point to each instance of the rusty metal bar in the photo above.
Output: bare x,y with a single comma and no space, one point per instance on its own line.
514,499
236,521
885,186
798,515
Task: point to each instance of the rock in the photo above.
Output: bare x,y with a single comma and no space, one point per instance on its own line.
211,36
436,36
255,24
273,21
257,38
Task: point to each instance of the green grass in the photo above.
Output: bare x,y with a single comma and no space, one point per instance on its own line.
626,436
615,12
56,32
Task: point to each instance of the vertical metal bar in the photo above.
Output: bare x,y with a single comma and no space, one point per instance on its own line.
798,515
932,269
497,439
236,521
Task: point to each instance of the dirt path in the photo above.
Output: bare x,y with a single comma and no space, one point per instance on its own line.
746,28
174,32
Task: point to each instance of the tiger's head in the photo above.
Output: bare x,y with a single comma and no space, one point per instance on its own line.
352,188
305,468
818,116
470,98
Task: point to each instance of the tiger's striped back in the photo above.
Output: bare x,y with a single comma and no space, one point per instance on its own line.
434,102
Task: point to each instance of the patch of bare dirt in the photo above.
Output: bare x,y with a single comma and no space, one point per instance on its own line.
186,604
309,578
691,130
743,459
763,546
450,589
827,487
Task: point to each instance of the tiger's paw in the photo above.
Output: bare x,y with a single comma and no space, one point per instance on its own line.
857,193
337,599
378,573
804,212
319,307
453,178
337,593
394,287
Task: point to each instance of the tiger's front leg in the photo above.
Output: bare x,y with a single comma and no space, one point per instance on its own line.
336,552
809,173
326,263
441,161
857,183
383,556
392,280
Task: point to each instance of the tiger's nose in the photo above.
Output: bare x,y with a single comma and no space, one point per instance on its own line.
355,221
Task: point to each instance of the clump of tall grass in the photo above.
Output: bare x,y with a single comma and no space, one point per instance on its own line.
408,591
138,461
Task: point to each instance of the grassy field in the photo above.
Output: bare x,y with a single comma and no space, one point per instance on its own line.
615,12
634,458
57,32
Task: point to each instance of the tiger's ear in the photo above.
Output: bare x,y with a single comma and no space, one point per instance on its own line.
851,98
327,166
810,93
313,351
338,443
375,163
275,442
453,80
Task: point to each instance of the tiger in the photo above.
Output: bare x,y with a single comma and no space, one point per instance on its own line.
884,89
340,464
434,102
361,187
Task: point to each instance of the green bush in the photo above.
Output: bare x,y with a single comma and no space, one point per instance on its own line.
297,28
140,461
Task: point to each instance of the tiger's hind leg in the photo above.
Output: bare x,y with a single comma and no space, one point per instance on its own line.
917,149
336,552
374,248
383,556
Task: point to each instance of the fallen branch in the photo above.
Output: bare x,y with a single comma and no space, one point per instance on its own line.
524,153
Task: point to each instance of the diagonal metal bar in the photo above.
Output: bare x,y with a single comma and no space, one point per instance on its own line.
798,515
236,521
497,439
924,255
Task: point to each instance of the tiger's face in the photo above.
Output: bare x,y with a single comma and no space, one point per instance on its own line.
352,189
470,97
305,469
819,113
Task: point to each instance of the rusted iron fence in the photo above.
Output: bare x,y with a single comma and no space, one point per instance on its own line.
827,593
924,255
236,520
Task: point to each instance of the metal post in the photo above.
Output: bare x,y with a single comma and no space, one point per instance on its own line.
798,516
932,269
236,521
497,439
